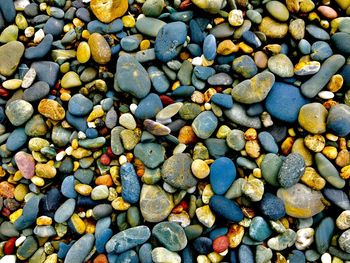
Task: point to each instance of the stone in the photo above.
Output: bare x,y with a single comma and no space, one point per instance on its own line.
245,66
328,171
51,109
171,235
169,41
128,239
36,92
323,234
338,120
10,56
151,154
281,66
130,183
79,105
100,50
312,117
29,214
65,211
259,229
80,249
282,241
132,77
343,220
155,203
284,102
222,175
70,80
25,163
301,201
272,207
149,107
254,90
18,112
273,29
161,254
225,208
205,216
107,11
176,171
27,249
291,170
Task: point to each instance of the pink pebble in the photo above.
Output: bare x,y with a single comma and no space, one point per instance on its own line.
26,164
327,12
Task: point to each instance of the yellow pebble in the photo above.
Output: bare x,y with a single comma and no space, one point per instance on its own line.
38,181
335,83
330,152
88,213
12,84
21,21
205,62
44,221
215,257
78,224
90,227
345,172
83,189
128,21
227,47
200,169
42,7
245,48
324,24
120,205
175,85
18,176
291,132
15,215
83,52
77,22
96,113
203,259
75,144
145,44
85,34
75,165
207,194
257,172
20,191
313,16
68,27
65,97
285,222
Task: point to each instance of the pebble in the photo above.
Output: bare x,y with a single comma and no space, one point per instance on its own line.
226,208
292,169
323,234
312,117
219,167
171,235
100,50
337,120
80,249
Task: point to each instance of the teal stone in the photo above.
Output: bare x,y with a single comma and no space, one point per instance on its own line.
84,176
205,124
80,249
145,253
27,249
151,154
270,167
217,147
323,234
245,66
92,143
132,77
128,239
235,140
340,41
259,229
291,170
328,171
263,254
317,82
238,114
30,212
149,26
65,211
171,235
116,143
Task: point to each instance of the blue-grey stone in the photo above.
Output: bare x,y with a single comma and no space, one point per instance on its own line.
268,142
36,92
80,249
222,175
272,207
323,234
96,26
171,235
46,71
205,124
16,140
40,50
338,120
29,214
226,208
148,107
65,211
79,105
292,169
130,183
209,47
54,27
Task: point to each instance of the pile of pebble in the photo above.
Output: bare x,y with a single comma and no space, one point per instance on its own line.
174,131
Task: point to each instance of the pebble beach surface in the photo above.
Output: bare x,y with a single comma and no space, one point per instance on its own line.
159,131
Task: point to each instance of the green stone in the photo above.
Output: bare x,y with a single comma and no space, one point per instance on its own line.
171,235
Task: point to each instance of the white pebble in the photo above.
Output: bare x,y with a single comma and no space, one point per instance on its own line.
224,253
305,237
81,135
133,108
60,156
168,188
91,124
122,159
140,16
207,106
8,259
28,78
20,240
209,26
69,150
127,121
180,148
197,61
39,35
191,190
29,31
326,95
20,5
326,258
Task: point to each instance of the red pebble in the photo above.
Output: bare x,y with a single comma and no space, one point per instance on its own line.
166,100
184,205
105,160
220,244
3,92
185,4
5,211
9,246
109,152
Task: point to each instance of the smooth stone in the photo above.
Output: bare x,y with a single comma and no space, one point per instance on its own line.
282,241
238,115
202,245
36,92
152,8
312,117
328,171
339,39
281,66
132,77
176,171
245,254
149,26
149,107
18,112
128,256
226,208
27,249
338,120
209,47
80,105
273,29
130,43
321,50
284,102
317,32
235,140
44,231
155,203
40,50
317,82
96,26
219,79
10,56
9,34
259,229
222,167
158,79
169,41
245,66
268,142
323,234
171,235
162,255
301,201
338,197
272,207
204,73
107,11
25,163
67,187
16,140
29,215
80,249
251,39
223,100
8,10
344,241
54,27
292,169
65,211
255,89
343,220
46,71
205,124
169,111
128,239
151,154
130,183
100,49
263,254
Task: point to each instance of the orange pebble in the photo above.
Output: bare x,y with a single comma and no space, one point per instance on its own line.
102,258
104,180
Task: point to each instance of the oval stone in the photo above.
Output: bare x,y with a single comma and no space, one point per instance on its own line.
222,175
